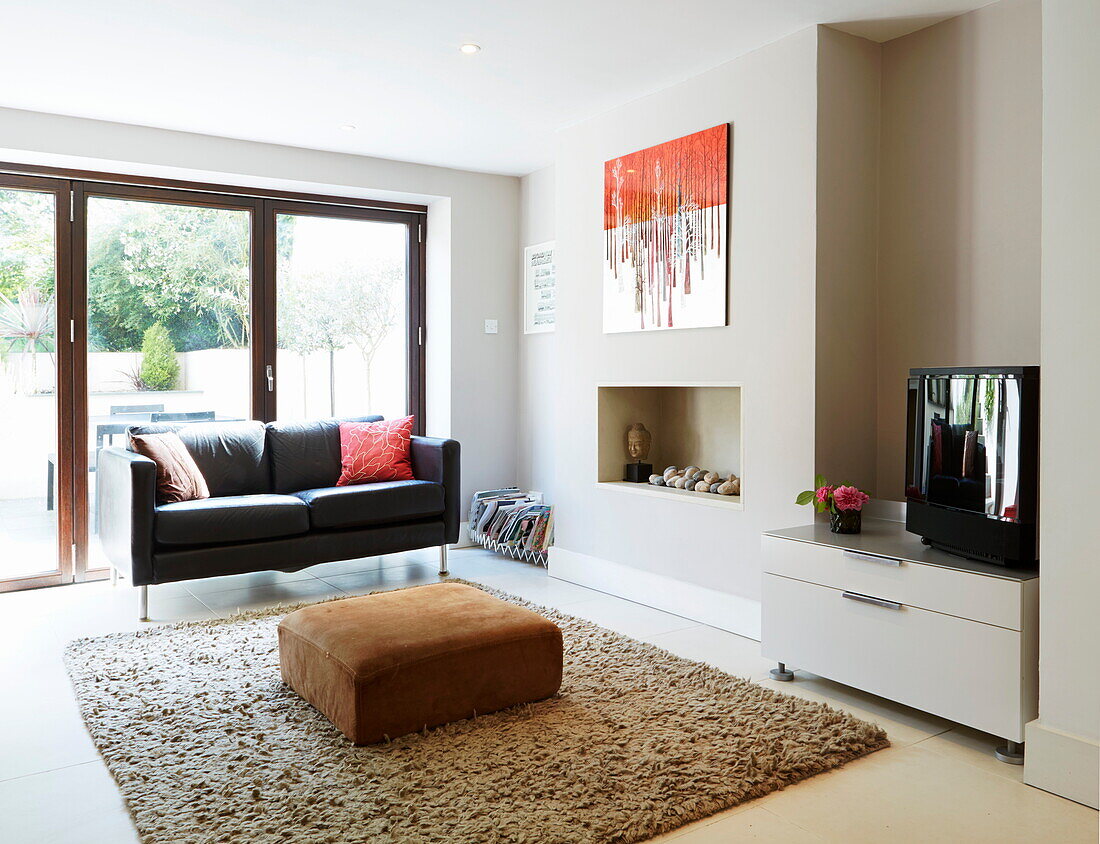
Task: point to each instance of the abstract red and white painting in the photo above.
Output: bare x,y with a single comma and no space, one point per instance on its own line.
665,237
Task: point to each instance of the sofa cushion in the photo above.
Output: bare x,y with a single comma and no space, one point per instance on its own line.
306,455
234,518
232,456
375,451
178,476
372,504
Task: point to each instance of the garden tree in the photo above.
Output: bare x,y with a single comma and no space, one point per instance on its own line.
26,242
182,266
160,370
185,267
372,310
330,309
295,329
314,319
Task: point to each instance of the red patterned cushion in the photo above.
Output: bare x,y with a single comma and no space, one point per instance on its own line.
375,451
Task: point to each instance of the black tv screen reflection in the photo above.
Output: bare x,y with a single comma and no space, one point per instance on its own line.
972,452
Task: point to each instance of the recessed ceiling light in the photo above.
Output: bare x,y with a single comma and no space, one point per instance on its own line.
469,49
348,127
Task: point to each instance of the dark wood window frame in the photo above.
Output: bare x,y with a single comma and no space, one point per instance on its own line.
72,188
63,386
415,304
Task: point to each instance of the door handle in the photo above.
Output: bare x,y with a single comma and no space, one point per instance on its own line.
270,378
872,558
867,599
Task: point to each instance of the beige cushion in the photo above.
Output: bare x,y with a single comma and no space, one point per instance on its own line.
178,476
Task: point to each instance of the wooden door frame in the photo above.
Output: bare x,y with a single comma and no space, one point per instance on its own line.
416,235
236,191
83,191
64,504
72,188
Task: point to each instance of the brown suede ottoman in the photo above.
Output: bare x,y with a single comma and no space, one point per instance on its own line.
393,663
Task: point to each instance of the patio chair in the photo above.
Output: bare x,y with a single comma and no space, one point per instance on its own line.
127,409
120,409
150,410
192,416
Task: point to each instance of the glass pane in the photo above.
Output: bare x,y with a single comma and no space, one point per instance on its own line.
966,453
340,304
168,320
28,385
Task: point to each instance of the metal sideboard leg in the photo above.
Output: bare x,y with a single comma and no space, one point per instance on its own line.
781,673
1011,753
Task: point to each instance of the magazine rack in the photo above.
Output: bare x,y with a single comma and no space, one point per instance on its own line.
512,522
513,551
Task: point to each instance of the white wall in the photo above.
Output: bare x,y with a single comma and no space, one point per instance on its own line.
959,205
536,415
1062,753
475,214
848,110
769,97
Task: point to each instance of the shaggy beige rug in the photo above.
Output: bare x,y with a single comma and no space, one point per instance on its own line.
207,744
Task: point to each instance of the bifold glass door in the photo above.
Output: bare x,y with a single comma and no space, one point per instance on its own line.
347,318
122,304
35,498
169,310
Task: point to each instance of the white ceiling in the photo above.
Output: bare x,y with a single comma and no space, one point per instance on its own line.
294,72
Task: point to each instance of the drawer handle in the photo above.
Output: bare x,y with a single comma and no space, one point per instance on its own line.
871,558
867,599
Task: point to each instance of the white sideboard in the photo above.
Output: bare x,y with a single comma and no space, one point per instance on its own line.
884,613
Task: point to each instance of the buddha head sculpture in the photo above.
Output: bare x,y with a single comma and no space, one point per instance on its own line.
638,441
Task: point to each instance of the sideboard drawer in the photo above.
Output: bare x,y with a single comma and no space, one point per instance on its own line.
924,659
976,597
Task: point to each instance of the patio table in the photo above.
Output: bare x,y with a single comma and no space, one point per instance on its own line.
109,426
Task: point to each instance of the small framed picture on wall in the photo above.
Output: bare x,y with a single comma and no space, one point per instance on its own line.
539,288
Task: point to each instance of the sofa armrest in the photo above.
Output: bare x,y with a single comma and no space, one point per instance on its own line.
438,460
127,506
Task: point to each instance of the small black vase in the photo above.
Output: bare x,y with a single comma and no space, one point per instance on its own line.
845,521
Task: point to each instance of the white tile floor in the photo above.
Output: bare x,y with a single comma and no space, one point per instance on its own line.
938,782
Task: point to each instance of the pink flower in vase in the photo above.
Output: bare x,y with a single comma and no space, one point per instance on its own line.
849,498
823,493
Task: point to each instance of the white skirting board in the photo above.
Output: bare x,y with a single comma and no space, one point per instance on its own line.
707,606
1062,763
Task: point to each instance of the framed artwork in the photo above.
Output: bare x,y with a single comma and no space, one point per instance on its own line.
539,288
665,235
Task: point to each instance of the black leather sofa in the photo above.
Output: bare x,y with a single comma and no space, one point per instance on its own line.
273,504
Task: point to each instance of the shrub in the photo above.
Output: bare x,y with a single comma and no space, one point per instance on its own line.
159,368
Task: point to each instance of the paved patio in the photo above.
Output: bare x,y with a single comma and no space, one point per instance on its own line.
28,538
28,534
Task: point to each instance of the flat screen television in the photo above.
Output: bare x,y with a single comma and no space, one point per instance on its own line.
972,454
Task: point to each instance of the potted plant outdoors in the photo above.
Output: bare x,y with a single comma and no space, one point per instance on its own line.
27,324
160,370
844,504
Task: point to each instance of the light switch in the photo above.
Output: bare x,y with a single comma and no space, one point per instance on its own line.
490,326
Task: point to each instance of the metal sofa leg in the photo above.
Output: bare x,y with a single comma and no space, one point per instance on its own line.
114,576
143,599
443,561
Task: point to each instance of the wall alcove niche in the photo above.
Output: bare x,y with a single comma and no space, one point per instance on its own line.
693,423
